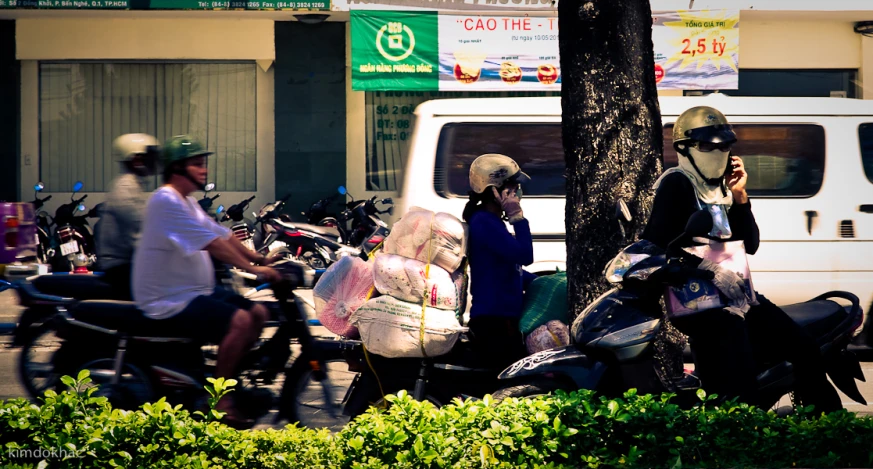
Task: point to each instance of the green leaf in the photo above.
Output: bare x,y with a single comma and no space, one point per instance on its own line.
557,423
680,439
613,407
69,381
83,374
701,394
678,463
42,464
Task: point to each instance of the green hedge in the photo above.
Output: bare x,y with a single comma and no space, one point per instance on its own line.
577,429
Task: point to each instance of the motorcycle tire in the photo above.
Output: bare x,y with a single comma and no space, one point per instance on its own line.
29,372
532,389
302,398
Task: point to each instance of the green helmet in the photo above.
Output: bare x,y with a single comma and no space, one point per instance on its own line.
703,124
181,148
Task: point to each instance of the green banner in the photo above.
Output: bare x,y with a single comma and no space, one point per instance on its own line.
394,50
319,5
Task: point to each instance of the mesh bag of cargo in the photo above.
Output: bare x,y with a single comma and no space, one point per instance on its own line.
343,288
393,328
436,238
550,335
545,300
407,280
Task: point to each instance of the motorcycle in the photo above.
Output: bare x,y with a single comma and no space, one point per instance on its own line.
44,249
613,337
240,227
74,237
135,360
367,230
317,246
358,379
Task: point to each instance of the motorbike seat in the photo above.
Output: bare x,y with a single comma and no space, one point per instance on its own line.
121,316
818,318
328,231
83,287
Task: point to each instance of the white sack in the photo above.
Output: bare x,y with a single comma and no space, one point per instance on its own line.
405,280
421,230
391,328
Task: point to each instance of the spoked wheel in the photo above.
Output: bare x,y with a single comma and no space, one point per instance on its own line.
36,368
133,389
309,405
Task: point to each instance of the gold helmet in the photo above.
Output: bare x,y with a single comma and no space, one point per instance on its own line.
703,124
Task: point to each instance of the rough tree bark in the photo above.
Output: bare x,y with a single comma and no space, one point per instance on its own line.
611,132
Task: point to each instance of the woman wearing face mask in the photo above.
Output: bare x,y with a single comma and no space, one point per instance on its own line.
726,344
497,280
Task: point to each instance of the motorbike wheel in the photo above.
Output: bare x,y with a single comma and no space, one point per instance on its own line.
308,405
533,389
133,389
36,368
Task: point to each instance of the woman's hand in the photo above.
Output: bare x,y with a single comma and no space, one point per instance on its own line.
510,203
737,180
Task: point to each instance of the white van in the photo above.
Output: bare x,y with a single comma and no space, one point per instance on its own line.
810,164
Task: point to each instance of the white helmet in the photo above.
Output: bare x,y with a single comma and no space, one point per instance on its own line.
493,169
129,145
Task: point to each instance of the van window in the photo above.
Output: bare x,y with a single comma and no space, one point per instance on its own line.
865,135
537,148
783,160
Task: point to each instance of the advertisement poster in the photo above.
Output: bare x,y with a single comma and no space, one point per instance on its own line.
435,51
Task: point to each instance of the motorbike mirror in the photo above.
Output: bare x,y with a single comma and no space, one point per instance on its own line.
209,187
622,212
699,224
38,187
342,190
391,211
77,186
219,209
388,200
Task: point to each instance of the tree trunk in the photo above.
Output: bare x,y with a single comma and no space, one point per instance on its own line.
611,132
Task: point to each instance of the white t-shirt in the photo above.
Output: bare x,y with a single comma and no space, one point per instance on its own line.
170,265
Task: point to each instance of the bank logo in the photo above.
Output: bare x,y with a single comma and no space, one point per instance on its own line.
399,40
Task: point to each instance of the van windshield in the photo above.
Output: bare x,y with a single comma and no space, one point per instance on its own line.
536,147
865,135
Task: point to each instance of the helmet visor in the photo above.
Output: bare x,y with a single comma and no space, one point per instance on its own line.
713,134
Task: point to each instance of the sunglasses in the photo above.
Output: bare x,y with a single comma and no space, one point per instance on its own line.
707,147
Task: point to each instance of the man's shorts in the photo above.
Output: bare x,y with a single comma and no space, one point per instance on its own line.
207,318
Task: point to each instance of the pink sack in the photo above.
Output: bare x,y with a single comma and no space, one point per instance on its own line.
701,295
342,289
548,336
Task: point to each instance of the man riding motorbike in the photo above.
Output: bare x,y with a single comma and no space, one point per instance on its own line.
497,280
117,231
173,275
728,342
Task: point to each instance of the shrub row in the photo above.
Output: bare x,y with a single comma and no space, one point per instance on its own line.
578,429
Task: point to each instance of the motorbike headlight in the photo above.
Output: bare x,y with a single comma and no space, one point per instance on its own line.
620,264
643,274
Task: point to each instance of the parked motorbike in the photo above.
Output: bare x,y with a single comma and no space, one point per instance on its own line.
241,229
613,337
44,249
358,379
277,234
73,234
135,360
367,230
206,201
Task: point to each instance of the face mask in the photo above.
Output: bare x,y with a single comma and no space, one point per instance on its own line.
712,164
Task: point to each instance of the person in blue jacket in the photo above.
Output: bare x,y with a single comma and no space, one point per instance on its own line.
497,280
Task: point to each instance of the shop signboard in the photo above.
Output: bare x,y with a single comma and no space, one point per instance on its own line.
440,51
